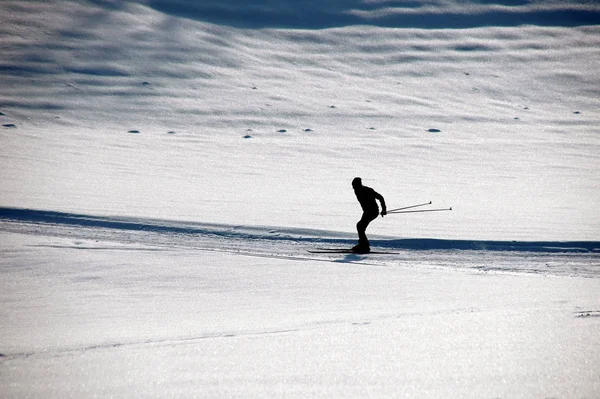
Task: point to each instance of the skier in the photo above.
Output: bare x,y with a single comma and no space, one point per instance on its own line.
366,196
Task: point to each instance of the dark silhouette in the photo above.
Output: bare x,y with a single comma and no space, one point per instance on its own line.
366,196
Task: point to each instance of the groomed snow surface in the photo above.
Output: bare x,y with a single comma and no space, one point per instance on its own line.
165,167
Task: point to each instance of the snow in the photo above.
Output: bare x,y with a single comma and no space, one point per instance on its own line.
166,165
121,319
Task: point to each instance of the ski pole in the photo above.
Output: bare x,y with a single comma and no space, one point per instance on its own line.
425,210
408,207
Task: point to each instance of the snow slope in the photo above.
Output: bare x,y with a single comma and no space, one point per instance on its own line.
165,165
110,318
516,154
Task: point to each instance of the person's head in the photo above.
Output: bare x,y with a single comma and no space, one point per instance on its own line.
357,182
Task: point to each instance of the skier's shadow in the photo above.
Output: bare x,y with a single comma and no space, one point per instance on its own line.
350,258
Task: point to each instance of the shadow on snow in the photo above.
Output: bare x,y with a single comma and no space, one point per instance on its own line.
274,234
307,14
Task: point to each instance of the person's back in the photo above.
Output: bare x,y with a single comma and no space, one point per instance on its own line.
366,197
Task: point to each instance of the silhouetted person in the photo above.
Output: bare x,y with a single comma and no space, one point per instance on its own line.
366,196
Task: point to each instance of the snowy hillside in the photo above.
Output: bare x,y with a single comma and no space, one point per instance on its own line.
166,166
501,123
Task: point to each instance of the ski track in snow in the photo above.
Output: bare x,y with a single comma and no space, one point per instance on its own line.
92,232
58,352
175,341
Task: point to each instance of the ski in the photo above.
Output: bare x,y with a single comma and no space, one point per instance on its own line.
330,251
347,251
333,249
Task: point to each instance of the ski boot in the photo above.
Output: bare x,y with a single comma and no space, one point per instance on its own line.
361,249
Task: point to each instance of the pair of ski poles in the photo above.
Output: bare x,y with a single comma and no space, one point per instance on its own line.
404,209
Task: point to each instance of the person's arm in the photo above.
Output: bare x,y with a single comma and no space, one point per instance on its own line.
382,201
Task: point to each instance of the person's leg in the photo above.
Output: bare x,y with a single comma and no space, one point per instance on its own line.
361,227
